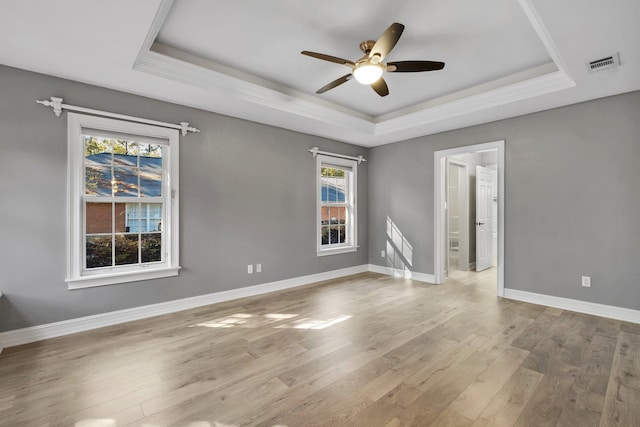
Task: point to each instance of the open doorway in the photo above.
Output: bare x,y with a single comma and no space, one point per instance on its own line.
469,212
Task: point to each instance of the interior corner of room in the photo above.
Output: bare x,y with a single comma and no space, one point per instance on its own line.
203,222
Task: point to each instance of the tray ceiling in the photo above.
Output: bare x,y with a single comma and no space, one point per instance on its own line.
503,58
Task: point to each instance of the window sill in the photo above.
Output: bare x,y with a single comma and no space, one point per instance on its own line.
335,251
123,277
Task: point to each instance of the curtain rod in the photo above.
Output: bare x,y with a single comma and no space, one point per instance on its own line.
58,106
315,151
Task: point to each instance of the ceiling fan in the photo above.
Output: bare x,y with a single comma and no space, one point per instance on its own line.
368,69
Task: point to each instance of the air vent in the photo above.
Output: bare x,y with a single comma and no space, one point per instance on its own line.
604,63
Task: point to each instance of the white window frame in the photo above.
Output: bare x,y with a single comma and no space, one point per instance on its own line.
77,276
351,231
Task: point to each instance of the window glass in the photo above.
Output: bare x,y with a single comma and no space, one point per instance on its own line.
114,230
336,206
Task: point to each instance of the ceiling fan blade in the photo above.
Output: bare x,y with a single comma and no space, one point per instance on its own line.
413,66
387,41
329,58
380,86
335,83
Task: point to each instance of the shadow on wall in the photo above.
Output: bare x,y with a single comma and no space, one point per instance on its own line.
399,251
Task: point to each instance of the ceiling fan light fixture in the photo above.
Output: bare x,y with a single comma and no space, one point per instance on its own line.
367,73
368,69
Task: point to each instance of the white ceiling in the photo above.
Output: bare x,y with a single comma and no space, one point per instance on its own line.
503,58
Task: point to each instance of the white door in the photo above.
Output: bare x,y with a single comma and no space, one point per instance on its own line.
484,213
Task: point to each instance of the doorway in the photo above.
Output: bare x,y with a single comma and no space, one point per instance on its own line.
469,211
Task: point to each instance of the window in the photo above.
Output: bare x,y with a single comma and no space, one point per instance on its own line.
123,201
337,232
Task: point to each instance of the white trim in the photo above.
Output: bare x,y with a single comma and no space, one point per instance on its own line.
71,326
406,274
478,98
77,276
350,204
182,66
57,106
122,277
337,250
602,310
439,214
544,35
154,29
315,151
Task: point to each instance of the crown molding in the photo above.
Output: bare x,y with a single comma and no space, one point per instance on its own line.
330,118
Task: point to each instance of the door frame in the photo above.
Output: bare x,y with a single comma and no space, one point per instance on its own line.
440,240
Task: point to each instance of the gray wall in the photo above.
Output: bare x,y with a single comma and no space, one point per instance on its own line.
572,198
247,196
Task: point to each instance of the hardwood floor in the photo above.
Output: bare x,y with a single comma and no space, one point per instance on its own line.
368,350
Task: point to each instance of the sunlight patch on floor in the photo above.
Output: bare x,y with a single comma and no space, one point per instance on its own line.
96,422
314,324
244,320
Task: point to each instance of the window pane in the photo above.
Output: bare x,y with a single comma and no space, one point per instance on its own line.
334,233
324,191
341,234
125,181
125,153
342,215
143,217
150,177
94,146
151,150
154,216
152,247
120,218
97,153
98,218
97,181
98,251
337,215
325,235
126,249
326,212
333,185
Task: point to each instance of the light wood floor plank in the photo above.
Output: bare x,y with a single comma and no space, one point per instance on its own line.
505,408
622,401
366,350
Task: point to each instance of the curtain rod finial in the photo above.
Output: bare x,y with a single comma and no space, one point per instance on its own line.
184,128
55,103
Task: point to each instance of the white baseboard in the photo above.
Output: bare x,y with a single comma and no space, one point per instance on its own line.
390,271
71,326
610,311
66,327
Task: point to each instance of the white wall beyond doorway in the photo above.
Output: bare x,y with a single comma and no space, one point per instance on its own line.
440,241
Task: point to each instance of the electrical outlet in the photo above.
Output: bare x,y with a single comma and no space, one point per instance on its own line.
250,269
258,268
586,281
383,254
